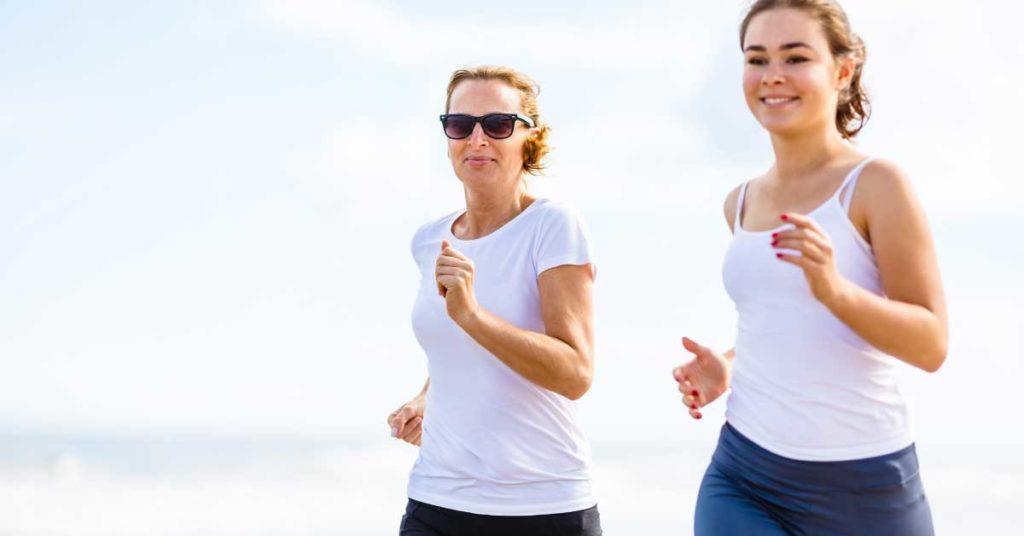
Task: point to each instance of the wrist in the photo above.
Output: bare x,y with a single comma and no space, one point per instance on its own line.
840,298
469,317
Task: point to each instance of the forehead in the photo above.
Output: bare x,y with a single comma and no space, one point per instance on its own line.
479,97
776,27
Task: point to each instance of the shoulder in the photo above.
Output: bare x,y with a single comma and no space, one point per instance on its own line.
882,186
552,209
884,198
881,176
548,213
429,235
729,206
434,227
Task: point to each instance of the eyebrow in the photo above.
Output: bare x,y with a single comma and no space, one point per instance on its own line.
787,46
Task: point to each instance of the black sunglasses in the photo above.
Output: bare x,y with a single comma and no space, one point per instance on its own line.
496,126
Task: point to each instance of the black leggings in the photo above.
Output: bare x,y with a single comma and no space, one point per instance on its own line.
423,519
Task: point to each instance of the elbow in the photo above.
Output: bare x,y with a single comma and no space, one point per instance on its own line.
581,382
934,359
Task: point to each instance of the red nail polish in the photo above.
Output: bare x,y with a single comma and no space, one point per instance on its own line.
785,217
775,242
694,406
699,416
779,255
693,393
775,235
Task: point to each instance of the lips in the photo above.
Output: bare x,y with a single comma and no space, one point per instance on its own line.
778,101
478,160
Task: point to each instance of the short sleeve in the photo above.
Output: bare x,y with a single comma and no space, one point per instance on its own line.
562,238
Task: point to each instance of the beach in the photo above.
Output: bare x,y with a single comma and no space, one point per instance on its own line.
174,486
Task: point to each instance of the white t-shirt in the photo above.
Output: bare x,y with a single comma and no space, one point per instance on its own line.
493,442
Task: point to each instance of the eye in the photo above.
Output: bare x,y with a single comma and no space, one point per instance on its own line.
757,60
796,59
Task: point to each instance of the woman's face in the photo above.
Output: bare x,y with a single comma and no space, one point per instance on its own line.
479,160
790,78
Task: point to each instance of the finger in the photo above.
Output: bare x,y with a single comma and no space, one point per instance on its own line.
816,237
801,221
457,271
448,251
801,262
449,282
400,420
447,260
806,247
441,291
412,428
417,439
678,375
695,348
696,414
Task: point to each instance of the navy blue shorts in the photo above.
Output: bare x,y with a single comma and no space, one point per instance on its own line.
748,490
422,519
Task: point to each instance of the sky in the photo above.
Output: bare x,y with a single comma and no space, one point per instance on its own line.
206,207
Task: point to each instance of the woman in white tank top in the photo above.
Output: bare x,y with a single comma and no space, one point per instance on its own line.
834,276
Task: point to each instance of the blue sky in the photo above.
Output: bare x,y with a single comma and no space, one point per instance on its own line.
205,207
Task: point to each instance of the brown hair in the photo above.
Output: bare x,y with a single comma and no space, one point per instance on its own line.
536,147
854,106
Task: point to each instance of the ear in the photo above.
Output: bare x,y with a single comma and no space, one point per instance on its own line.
845,68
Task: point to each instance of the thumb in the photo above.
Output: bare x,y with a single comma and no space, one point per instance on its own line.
441,290
398,421
702,352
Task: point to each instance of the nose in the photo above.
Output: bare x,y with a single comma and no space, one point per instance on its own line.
477,138
772,75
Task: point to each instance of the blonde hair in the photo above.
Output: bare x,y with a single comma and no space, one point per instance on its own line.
536,147
854,106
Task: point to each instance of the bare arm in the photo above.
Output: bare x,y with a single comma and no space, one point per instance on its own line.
910,321
562,358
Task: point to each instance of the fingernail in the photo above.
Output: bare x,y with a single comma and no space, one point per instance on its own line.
699,416
775,242
394,432
785,217
775,235
779,255
693,393
693,406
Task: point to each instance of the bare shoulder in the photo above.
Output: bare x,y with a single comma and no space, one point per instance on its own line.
884,199
729,207
883,181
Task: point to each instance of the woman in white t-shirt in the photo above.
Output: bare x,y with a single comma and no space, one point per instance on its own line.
504,314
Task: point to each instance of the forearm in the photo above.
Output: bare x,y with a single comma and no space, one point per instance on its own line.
546,361
909,332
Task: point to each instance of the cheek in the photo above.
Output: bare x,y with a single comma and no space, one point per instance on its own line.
751,81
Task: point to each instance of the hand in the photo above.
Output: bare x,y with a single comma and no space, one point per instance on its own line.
454,273
815,257
406,422
703,379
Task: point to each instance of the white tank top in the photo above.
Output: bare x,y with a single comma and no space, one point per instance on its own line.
804,385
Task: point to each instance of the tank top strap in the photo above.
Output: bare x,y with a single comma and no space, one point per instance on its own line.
739,206
849,183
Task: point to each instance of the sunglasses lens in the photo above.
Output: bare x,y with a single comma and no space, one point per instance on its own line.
498,126
458,127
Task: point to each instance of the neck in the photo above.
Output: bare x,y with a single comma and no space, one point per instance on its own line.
799,155
486,211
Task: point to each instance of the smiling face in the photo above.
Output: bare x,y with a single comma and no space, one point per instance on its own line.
790,78
479,160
